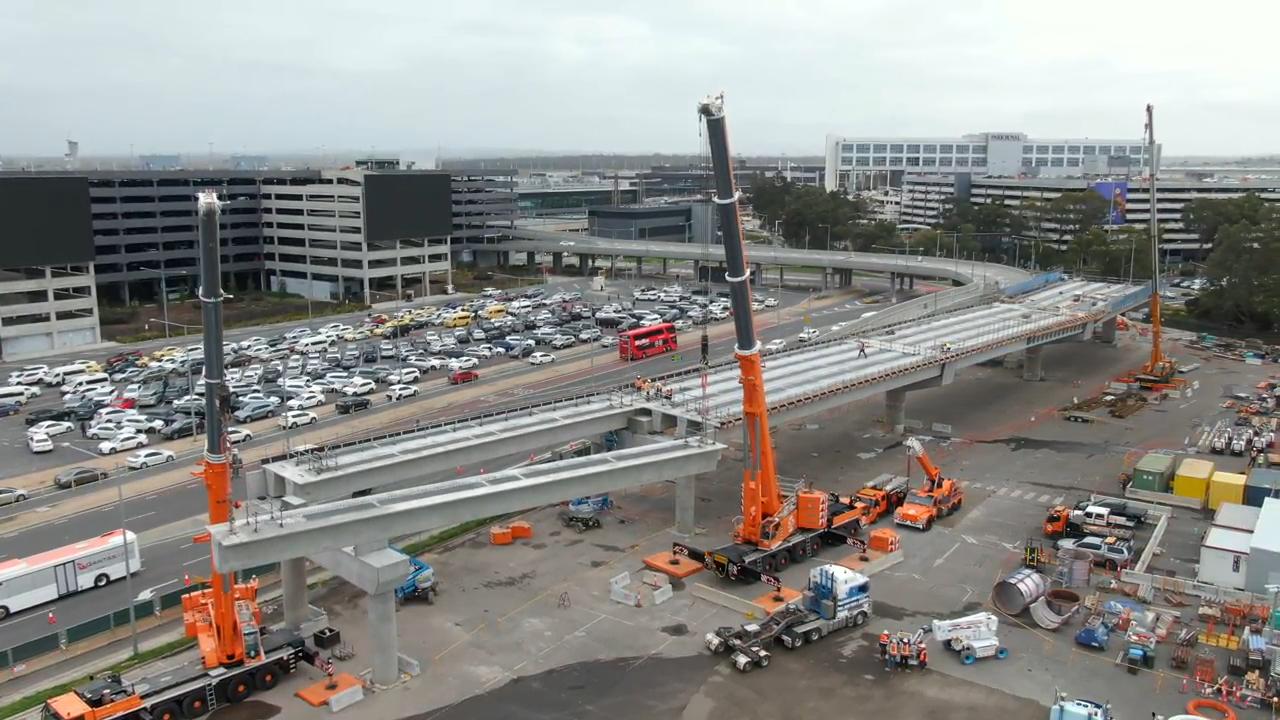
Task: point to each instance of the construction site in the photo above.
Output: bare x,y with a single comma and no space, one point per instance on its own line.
1075,516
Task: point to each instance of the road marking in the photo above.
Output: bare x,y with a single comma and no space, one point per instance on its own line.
152,496
59,522
945,555
1044,498
139,517
1002,491
1058,500
193,562
27,617
184,547
1015,493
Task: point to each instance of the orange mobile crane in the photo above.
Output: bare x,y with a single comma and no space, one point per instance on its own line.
237,657
775,529
1160,369
938,497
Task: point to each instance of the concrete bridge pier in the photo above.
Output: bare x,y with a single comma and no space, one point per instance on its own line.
585,262
911,282
1106,332
382,633
557,262
893,288
664,266
293,591
530,259
895,410
781,276
686,501
1032,365
613,265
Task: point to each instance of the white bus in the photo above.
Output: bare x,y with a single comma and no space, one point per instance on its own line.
47,576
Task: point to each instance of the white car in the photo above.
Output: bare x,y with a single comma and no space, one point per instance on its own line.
39,443
296,333
147,458
123,441
404,376
771,302
356,335
297,418
463,363
775,345
682,324
541,358
561,342
757,306
400,392
358,386
305,400
36,374
809,334
609,341
257,398
50,428
237,435
295,383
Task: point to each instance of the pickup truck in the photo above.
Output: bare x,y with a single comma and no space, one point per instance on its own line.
1111,553
1107,512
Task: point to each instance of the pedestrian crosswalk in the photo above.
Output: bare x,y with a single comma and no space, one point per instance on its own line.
1014,493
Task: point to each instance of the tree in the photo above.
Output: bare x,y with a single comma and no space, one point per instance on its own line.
808,215
1206,216
1074,213
1246,289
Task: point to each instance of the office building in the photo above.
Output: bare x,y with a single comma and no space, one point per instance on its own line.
675,222
856,163
925,199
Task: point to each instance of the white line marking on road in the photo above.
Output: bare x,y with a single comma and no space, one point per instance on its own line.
152,496
1058,500
1043,498
945,555
193,562
184,547
1002,491
59,522
1015,494
27,617
139,517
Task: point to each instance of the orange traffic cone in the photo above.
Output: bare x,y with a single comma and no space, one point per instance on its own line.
52,620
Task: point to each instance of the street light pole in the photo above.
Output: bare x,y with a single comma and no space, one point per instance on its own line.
128,572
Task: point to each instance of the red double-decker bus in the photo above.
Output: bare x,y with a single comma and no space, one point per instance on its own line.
644,342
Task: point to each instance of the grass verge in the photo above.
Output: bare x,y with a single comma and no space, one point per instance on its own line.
35,700
444,536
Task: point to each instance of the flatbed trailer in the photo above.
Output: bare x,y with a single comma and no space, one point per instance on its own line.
187,691
749,563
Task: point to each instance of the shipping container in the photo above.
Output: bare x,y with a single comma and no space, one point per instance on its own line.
1153,472
1192,478
1261,484
1225,487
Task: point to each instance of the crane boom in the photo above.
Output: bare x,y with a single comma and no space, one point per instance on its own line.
917,451
762,500
1159,366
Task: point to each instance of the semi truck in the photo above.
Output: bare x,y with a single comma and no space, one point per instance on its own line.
836,598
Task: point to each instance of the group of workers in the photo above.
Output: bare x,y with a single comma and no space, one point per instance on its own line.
902,650
652,389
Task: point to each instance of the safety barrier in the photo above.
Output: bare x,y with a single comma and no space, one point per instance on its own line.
1033,284
62,639
1129,300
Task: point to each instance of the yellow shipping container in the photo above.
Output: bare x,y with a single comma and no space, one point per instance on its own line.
1226,487
1192,478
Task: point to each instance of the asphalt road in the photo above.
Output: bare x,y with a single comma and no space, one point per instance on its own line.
167,518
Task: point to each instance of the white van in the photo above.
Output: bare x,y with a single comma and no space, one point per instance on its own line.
85,382
64,375
18,393
312,343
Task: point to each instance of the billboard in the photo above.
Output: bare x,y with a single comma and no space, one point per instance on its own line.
45,220
1116,193
400,205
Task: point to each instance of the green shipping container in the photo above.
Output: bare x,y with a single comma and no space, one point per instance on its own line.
1153,472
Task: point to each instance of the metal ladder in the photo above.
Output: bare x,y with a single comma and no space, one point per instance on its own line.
210,698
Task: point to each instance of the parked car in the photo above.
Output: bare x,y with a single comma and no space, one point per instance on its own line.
809,334
147,458
182,428
297,418
359,386
463,363
255,411
400,392
237,435
305,400
404,376
775,345
1109,552
457,377
609,341
39,443
9,408
349,405
77,476
541,358
10,496
50,428
122,441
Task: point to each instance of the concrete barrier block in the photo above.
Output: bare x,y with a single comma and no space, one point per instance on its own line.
409,666
728,600
655,579
621,580
662,594
346,698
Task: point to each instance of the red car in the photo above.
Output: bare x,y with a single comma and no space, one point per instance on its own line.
457,377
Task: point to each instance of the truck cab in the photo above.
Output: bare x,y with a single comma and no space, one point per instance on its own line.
921,509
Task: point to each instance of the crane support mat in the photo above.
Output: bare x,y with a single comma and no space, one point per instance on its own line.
669,563
775,599
875,562
318,695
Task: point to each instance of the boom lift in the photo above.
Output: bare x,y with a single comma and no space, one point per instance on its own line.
775,528
938,497
236,656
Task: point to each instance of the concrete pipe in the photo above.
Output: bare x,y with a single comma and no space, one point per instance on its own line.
1062,601
1013,594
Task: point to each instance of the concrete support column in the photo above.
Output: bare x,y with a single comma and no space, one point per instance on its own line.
584,263
895,410
697,269
382,635
664,266
911,282
1032,366
781,276
613,265
530,259
1107,331
757,275
293,588
504,258
686,498
893,288
557,262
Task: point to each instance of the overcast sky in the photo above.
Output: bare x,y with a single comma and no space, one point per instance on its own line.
288,75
